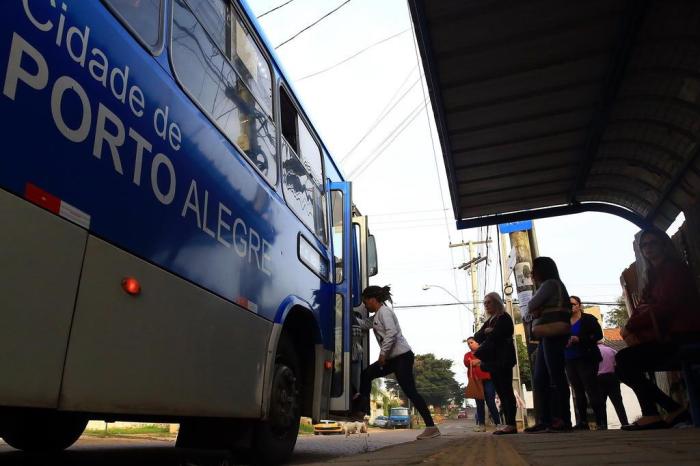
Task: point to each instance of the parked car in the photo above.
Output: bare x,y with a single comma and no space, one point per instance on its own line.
325,427
399,417
381,421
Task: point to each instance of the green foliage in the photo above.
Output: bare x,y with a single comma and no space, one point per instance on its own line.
435,380
306,428
136,430
617,316
388,403
523,362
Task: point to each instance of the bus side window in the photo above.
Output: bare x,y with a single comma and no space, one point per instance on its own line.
302,170
209,78
144,17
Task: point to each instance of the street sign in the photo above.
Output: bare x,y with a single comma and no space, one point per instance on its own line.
510,227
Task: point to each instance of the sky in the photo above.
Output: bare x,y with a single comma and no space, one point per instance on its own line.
356,73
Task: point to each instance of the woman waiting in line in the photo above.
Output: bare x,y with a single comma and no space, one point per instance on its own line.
472,364
550,383
395,356
582,359
496,355
667,317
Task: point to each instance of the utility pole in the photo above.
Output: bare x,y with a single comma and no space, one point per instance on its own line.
523,275
473,261
508,292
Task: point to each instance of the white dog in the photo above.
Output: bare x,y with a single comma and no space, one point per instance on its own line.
355,427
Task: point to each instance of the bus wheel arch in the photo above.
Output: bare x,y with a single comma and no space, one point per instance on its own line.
300,329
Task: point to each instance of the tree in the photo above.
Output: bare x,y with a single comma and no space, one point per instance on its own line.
436,381
523,362
617,316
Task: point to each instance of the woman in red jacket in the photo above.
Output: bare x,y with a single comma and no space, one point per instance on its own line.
472,364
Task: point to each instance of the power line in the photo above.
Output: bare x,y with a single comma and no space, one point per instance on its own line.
314,23
316,73
386,142
390,105
275,8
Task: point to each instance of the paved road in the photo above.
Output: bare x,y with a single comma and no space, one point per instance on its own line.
140,452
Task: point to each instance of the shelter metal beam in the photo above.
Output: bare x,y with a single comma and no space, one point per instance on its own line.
631,21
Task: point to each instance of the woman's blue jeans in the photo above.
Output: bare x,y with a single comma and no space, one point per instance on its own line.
490,401
550,382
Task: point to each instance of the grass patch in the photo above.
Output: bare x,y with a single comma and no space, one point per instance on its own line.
140,430
306,429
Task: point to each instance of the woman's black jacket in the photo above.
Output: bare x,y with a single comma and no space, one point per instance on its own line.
496,349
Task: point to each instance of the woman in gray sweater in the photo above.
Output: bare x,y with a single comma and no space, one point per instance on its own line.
395,356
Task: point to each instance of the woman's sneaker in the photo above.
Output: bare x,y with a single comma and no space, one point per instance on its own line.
479,428
429,432
506,430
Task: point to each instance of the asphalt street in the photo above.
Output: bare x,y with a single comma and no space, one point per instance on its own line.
148,452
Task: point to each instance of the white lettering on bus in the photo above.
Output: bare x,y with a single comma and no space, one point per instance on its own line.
222,224
141,144
194,206
16,73
158,161
112,140
239,239
205,213
60,87
27,67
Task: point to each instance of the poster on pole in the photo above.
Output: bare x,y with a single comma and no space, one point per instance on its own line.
524,298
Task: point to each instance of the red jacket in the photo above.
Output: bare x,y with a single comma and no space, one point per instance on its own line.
672,298
476,370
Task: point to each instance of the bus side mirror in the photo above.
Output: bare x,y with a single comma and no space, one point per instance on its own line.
372,266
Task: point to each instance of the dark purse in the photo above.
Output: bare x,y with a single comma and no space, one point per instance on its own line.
553,321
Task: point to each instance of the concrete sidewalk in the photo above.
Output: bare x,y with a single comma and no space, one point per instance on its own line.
459,446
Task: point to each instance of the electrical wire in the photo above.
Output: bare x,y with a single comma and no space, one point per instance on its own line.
316,73
390,105
386,142
275,8
314,23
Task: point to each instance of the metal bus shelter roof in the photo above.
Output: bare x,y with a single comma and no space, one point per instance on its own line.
553,107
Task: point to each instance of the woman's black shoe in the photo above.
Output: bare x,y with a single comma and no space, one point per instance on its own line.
536,429
649,426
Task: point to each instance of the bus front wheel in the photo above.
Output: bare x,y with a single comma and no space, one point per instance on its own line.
42,430
275,438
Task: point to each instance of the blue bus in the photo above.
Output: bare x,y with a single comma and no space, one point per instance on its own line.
177,243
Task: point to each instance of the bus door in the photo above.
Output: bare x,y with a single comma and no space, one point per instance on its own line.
365,266
341,213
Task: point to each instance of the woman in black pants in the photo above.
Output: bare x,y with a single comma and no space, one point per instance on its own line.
667,317
496,355
395,356
582,358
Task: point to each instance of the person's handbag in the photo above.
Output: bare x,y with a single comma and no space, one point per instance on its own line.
553,321
647,327
475,387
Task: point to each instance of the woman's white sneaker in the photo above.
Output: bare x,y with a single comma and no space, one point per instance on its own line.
429,432
479,428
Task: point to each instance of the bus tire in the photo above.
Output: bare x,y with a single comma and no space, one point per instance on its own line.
43,430
274,439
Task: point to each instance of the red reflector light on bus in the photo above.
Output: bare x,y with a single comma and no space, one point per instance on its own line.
131,286
328,365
